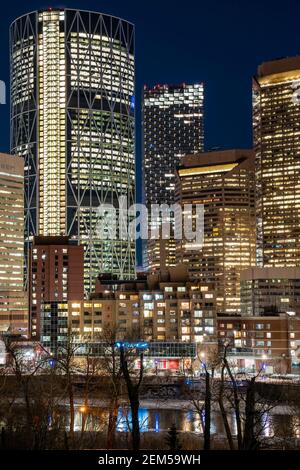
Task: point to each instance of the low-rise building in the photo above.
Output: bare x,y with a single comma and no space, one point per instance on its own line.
158,307
255,342
165,310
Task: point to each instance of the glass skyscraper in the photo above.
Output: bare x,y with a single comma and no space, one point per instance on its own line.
276,126
72,119
172,128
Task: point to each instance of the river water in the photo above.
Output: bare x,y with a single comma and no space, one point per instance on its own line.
157,420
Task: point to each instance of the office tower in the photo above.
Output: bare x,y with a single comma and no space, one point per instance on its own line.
270,291
13,304
223,182
172,127
276,127
72,119
55,276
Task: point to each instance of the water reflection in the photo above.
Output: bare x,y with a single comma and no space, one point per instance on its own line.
124,420
157,420
296,426
267,430
157,426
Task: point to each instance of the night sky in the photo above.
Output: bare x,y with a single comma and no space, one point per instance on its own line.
219,42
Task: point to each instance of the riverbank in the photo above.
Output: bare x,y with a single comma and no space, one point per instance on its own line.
159,404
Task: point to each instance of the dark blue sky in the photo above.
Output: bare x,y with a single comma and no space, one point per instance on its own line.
219,42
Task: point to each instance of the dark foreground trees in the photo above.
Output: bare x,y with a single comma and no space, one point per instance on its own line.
30,404
133,382
236,394
240,393
112,371
173,439
38,400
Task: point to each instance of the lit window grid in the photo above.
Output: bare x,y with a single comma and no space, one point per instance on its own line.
51,158
113,140
172,127
276,139
13,302
229,232
184,316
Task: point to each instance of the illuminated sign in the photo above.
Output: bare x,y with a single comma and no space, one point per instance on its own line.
130,345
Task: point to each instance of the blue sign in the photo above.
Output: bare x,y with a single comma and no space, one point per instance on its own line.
129,345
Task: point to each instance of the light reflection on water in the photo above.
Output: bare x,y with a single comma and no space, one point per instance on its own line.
157,420
267,425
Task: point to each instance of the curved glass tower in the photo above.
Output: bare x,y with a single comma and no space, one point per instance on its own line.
72,119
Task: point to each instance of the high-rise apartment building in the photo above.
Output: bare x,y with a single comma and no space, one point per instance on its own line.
223,182
13,304
172,128
276,126
55,276
72,119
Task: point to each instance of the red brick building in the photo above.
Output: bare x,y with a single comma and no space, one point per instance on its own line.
55,275
256,340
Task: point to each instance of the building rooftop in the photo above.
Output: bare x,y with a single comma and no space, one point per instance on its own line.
11,164
270,273
51,240
217,160
280,65
273,316
173,276
160,87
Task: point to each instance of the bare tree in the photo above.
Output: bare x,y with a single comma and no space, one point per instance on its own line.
113,371
133,383
202,399
223,408
24,370
250,409
65,361
236,400
90,371
37,387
